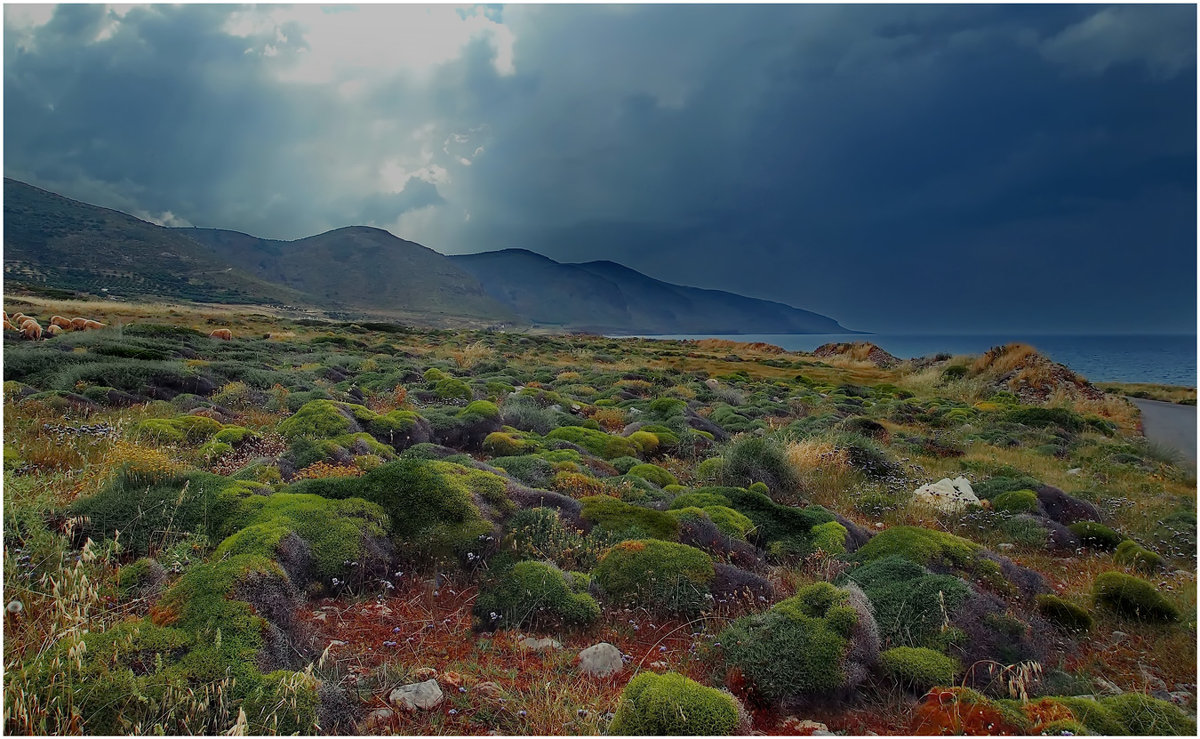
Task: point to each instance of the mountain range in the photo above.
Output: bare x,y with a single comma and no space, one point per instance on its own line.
53,241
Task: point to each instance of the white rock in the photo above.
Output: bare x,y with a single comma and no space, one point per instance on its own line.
416,695
712,383
947,495
1074,470
539,645
601,660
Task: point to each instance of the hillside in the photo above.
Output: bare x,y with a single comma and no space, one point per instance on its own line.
607,297
360,267
53,241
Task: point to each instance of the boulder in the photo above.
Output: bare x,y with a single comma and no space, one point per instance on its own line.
601,660
416,696
947,495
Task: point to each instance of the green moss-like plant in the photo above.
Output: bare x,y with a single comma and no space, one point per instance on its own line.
919,668
1094,716
829,537
178,430
435,507
1143,715
597,442
659,575
1096,535
646,442
1016,501
1132,598
699,500
795,649
506,444
615,516
653,473
1063,613
673,705
536,594
1132,554
910,604
316,419
452,388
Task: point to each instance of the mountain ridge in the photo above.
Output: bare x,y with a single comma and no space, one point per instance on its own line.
55,241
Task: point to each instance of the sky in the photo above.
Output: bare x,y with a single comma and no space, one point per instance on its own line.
935,168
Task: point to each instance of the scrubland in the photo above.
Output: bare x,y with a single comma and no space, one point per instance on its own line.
273,533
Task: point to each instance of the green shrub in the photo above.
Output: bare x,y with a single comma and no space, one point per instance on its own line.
774,522
1016,501
1133,598
452,388
751,459
505,444
795,649
653,473
1096,535
599,443
829,537
699,500
536,594
316,419
434,506
152,508
1131,554
1063,727
923,546
178,430
911,606
646,442
994,486
615,516
919,668
658,575
1041,417
730,522
1096,717
673,705
1064,613
1143,715
539,534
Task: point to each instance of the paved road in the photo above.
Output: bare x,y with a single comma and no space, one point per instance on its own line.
1170,424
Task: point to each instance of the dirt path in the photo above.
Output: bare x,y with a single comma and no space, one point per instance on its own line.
1171,425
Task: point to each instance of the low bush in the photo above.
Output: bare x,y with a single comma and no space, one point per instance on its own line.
536,594
1143,715
751,459
673,705
615,516
599,443
919,668
795,649
1096,535
1133,598
658,575
1131,554
1063,613
1016,501
653,473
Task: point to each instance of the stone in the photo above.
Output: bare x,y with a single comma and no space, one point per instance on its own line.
378,719
1180,697
539,645
947,495
414,696
659,665
424,673
712,383
601,660
806,727
489,690
1074,470
1106,687
1005,546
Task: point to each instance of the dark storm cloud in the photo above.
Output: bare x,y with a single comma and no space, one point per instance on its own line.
898,167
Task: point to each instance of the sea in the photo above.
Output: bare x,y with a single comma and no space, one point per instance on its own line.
1168,359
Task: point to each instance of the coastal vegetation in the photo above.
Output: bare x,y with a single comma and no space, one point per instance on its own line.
323,526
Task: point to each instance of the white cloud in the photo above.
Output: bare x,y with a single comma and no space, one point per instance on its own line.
1165,42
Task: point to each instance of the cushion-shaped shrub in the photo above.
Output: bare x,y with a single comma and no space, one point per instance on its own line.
537,594
316,419
671,704
178,430
1063,613
829,537
795,649
1094,716
452,388
645,441
624,464
597,442
1096,535
729,521
923,546
751,459
1133,597
435,507
911,606
699,500
1143,715
1132,554
773,521
615,516
1016,501
505,444
653,473
919,668
658,575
